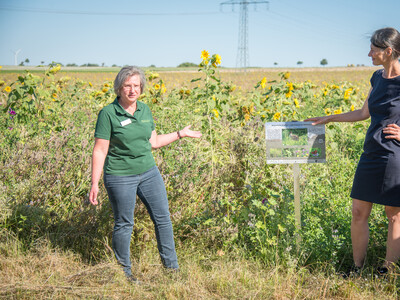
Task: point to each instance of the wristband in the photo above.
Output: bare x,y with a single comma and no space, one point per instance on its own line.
179,135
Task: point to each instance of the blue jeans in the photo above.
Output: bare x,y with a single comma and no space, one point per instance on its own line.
150,188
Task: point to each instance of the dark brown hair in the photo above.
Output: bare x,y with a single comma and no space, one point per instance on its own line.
387,37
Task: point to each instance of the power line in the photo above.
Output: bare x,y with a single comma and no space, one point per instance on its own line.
242,59
74,12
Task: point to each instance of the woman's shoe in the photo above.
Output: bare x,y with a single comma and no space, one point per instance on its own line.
382,271
354,271
133,280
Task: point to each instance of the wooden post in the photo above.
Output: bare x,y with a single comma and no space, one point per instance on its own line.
297,213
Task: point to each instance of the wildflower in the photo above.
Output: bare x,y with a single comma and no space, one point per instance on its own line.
290,86
216,113
1,67
352,107
157,86
216,60
153,76
327,111
338,111
55,69
213,97
106,85
163,88
347,93
263,82
8,89
276,116
296,103
204,55
286,75
247,117
104,90
54,95
12,112
90,84
289,94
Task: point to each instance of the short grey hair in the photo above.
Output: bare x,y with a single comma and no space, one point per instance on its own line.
125,73
387,37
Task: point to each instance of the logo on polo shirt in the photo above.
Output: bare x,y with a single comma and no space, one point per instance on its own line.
146,121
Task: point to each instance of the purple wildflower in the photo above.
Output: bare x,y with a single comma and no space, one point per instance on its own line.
12,112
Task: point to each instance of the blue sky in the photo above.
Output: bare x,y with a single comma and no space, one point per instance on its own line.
167,33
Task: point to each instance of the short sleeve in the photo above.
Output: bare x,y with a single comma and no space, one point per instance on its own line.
103,126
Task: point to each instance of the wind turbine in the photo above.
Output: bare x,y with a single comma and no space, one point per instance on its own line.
16,55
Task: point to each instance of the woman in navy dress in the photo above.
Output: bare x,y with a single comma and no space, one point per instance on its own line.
377,178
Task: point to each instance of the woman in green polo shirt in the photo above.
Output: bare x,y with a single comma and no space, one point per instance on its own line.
124,136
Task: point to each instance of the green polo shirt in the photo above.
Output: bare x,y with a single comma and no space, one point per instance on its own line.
129,152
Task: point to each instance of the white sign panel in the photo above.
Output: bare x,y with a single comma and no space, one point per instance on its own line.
295,142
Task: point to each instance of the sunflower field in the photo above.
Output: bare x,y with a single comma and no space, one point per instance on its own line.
223,196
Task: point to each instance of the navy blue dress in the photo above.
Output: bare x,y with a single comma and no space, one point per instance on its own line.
377,177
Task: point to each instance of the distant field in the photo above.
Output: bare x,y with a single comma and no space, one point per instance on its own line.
178,77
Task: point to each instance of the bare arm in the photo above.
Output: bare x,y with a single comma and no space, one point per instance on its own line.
352,116
100,150
158,141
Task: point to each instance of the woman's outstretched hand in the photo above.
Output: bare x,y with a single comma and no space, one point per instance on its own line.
186,132
392,131
318,120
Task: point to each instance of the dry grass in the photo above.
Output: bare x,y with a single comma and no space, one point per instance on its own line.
45,273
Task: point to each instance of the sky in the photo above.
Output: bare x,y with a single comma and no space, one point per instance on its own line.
168,33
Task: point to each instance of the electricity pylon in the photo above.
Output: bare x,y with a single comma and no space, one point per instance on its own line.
242,58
